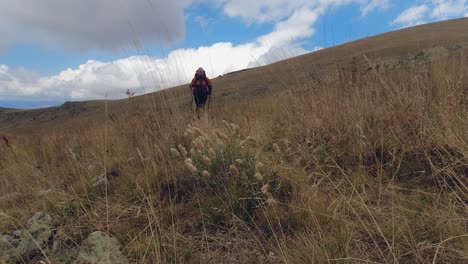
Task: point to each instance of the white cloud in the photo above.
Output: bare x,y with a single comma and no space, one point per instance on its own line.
143,74
444,9
261,11
412,16
433,10
90,24
369,6
298,26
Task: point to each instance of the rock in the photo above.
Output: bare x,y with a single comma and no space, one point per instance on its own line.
114,171
35,238
8,244
92,167
100,181
11,240
17,233
56,246
40,218
5,244
101,248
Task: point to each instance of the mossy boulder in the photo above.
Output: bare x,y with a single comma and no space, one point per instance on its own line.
101,248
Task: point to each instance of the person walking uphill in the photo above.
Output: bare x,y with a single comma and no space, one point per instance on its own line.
201,89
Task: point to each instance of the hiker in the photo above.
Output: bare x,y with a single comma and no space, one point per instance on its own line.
201,89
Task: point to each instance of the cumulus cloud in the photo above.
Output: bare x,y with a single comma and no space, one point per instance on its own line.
444,9
142,74
369,6
260,11
412,16
90,24
433,10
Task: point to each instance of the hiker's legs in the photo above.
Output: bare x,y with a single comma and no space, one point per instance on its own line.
200,108
200,98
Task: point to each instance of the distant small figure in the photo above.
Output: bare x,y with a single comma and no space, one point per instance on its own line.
7,142
201,88
130,94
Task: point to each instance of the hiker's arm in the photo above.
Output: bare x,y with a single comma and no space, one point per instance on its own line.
210,86
192,84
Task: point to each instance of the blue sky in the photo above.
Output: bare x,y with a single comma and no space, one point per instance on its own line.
58,51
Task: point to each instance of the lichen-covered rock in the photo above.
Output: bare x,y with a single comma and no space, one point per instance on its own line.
101,248
6,250
35,238
100,181
40,218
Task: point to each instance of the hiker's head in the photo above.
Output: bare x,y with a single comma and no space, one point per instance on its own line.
200,72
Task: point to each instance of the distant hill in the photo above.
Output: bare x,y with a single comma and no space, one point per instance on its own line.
394,50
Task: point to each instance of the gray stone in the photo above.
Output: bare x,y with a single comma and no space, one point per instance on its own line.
100,181
101,248
35,238
6,250
11,240
56,246
91,167
17,233
40,218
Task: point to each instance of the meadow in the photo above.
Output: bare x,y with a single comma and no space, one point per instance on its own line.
351,168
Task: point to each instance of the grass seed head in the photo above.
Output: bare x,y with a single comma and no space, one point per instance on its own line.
187,136
265,188
200,143
271,202
235,129
233,170
222,136
182,150
251,141
191,167
258,176
175,153
212,153
276,148
259,166
197,131
207,160
226,125
206,174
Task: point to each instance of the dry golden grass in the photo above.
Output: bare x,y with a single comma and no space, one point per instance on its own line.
370,168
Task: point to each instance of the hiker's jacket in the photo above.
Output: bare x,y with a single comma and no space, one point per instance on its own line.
200,85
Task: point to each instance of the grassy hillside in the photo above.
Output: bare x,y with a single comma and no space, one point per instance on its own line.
402,49
340,161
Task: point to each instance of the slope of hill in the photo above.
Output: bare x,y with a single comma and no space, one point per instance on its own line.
400,49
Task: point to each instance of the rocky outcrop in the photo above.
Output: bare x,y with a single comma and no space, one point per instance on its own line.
29,243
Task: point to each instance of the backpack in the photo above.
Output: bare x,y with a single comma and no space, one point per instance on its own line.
201,85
